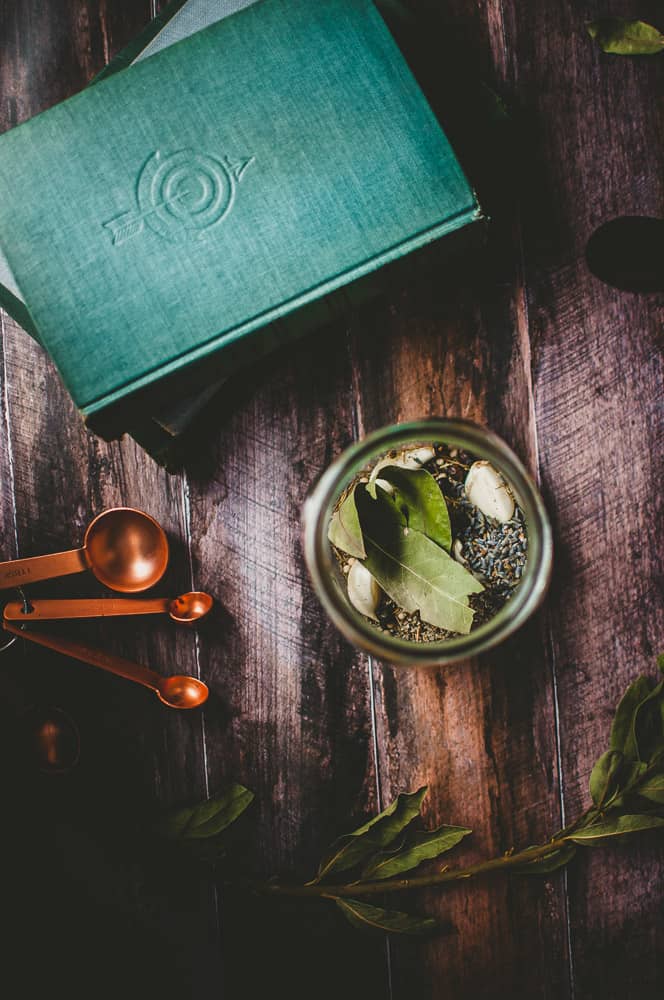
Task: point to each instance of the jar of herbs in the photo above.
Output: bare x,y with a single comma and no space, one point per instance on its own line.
428,542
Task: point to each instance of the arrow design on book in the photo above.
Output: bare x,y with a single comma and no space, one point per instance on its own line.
180,196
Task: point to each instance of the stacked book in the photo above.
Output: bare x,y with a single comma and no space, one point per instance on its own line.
229,180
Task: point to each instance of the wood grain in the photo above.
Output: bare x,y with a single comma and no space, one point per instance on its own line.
524,339
598,404
134,753
481,734
294,718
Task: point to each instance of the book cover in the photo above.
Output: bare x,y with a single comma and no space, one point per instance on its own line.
157,432
150,40
173,210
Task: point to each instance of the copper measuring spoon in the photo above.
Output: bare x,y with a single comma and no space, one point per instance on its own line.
125,549
181,691
185,609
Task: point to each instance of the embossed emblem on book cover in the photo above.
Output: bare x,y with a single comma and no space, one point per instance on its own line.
180,196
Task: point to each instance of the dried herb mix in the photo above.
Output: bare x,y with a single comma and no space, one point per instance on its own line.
431,541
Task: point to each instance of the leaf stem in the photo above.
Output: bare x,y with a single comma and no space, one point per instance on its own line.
353,889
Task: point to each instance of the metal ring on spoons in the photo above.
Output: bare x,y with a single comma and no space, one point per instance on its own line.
26,609
186,609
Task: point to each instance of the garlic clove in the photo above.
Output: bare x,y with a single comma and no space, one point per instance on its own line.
375,472
413,459
384,485
488,491
364,592
457,551
418,457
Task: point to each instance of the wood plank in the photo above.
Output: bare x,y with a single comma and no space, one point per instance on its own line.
598,396
482,734
290,713
293,718
135,753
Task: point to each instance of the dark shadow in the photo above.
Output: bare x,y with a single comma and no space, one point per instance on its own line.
628,253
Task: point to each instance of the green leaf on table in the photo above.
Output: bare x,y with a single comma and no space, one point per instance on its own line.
614,826
604,783
374,918
623,736
207,819
547,863
424,845
631,774
414,571
649,723
353,848
344,530
418,497
653,788
621,36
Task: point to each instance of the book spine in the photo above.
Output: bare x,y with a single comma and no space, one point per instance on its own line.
19,312
130,52
112,420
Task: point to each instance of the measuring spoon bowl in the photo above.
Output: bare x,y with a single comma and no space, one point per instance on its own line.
126,549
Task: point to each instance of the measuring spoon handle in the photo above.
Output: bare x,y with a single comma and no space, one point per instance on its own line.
16,572
58,610
88,654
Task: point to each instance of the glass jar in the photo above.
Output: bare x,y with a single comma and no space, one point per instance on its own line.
330,582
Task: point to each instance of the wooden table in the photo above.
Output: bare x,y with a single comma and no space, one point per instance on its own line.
568,370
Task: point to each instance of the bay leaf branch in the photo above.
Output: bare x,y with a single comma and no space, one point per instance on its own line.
352,848
424,845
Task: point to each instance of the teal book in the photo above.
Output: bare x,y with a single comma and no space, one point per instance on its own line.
175,218
154,37
161,432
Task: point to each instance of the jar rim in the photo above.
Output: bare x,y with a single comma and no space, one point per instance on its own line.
483,444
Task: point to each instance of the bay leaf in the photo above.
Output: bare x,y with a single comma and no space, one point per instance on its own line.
366,917
414,571
621,36
208,818
652,788
344,530
623,736
630,775
391,461
614,826
649,724
548,863
420,500
604,777
352,848
424,845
